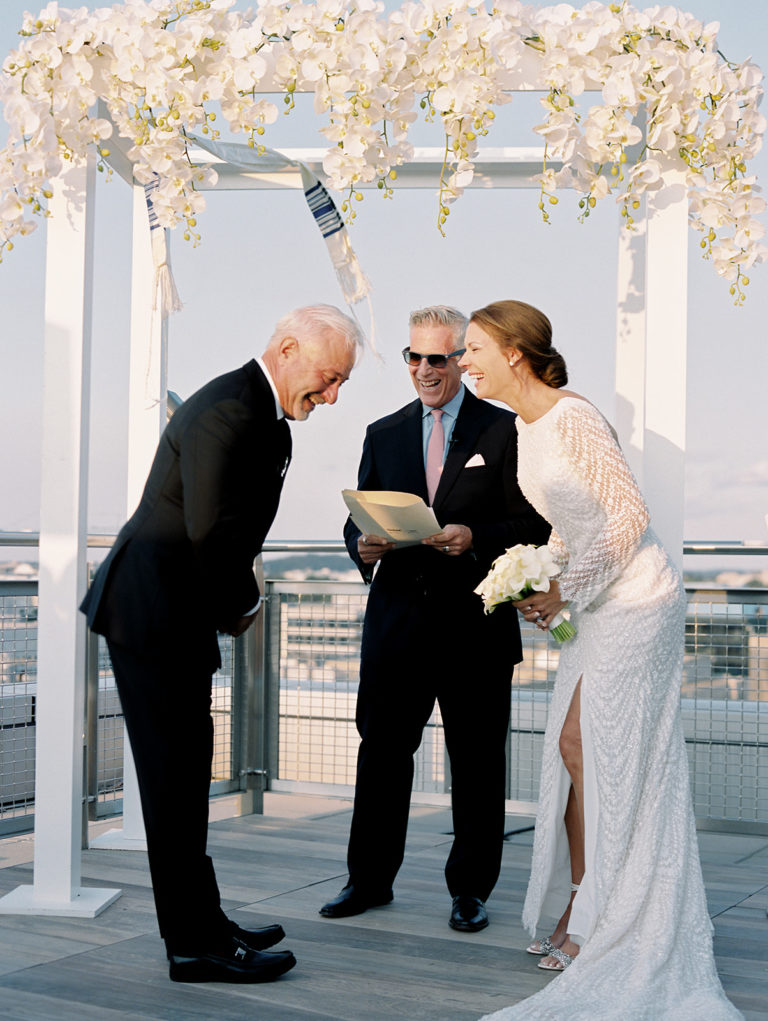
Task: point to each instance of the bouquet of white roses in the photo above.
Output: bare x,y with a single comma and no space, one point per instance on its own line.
517,573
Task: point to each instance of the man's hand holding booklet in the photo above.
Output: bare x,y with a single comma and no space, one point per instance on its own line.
402,518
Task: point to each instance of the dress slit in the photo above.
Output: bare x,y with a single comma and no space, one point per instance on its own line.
584,907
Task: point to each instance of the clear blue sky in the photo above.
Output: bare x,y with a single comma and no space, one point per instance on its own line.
261,255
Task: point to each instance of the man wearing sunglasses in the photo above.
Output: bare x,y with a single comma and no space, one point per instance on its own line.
425,636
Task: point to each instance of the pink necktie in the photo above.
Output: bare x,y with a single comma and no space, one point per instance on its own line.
435,454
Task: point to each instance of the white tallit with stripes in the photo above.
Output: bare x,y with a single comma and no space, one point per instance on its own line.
353,282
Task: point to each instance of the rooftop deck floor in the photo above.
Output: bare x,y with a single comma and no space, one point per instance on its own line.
399,963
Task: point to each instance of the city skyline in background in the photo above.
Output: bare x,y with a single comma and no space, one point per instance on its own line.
261,255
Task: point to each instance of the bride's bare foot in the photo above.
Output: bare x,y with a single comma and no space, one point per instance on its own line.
560,957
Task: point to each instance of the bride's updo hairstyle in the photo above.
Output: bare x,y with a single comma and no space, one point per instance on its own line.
517,326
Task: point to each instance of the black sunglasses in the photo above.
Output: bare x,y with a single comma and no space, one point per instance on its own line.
436,361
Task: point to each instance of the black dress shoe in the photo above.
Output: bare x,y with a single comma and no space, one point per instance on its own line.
354,901
258,939
254,939
468,914
230,961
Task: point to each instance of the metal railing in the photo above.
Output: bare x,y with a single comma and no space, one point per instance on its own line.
311,677
284,701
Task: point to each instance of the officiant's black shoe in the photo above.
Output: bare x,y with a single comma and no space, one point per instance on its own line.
229,961
354,901
258,939
468,914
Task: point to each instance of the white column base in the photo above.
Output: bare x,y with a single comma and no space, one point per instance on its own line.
87,902
131,836
116,840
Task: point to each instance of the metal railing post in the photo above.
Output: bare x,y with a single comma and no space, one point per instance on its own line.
250,686
92,751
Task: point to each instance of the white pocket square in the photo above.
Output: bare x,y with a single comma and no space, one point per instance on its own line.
476,461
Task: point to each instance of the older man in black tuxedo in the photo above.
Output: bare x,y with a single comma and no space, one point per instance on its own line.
180,570
425,636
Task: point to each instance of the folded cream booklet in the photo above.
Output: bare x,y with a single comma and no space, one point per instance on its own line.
400,517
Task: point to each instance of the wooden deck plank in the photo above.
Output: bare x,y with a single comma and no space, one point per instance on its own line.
399,963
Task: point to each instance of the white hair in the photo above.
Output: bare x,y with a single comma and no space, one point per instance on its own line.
318,320
441,315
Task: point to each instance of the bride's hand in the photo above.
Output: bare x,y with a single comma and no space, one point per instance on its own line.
541,608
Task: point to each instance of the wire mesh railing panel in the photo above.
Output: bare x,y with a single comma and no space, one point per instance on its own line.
429,772
532,683
314,659
18,690
108,793
223,711
316,635
109,763
109,746
725,703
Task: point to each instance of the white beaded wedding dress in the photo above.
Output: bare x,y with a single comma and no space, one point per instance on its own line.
640,915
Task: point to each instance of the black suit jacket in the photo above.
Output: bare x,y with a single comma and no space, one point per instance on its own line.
486,498
183,563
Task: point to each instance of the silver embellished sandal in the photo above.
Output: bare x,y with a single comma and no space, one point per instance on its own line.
541,947
563,960
546,948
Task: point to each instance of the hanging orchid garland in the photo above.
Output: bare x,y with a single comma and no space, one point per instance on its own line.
163,68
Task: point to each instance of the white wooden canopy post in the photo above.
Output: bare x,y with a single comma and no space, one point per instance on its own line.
651,358
59,786
147,413
666,360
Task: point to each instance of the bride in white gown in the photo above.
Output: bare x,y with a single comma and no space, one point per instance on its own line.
615,853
